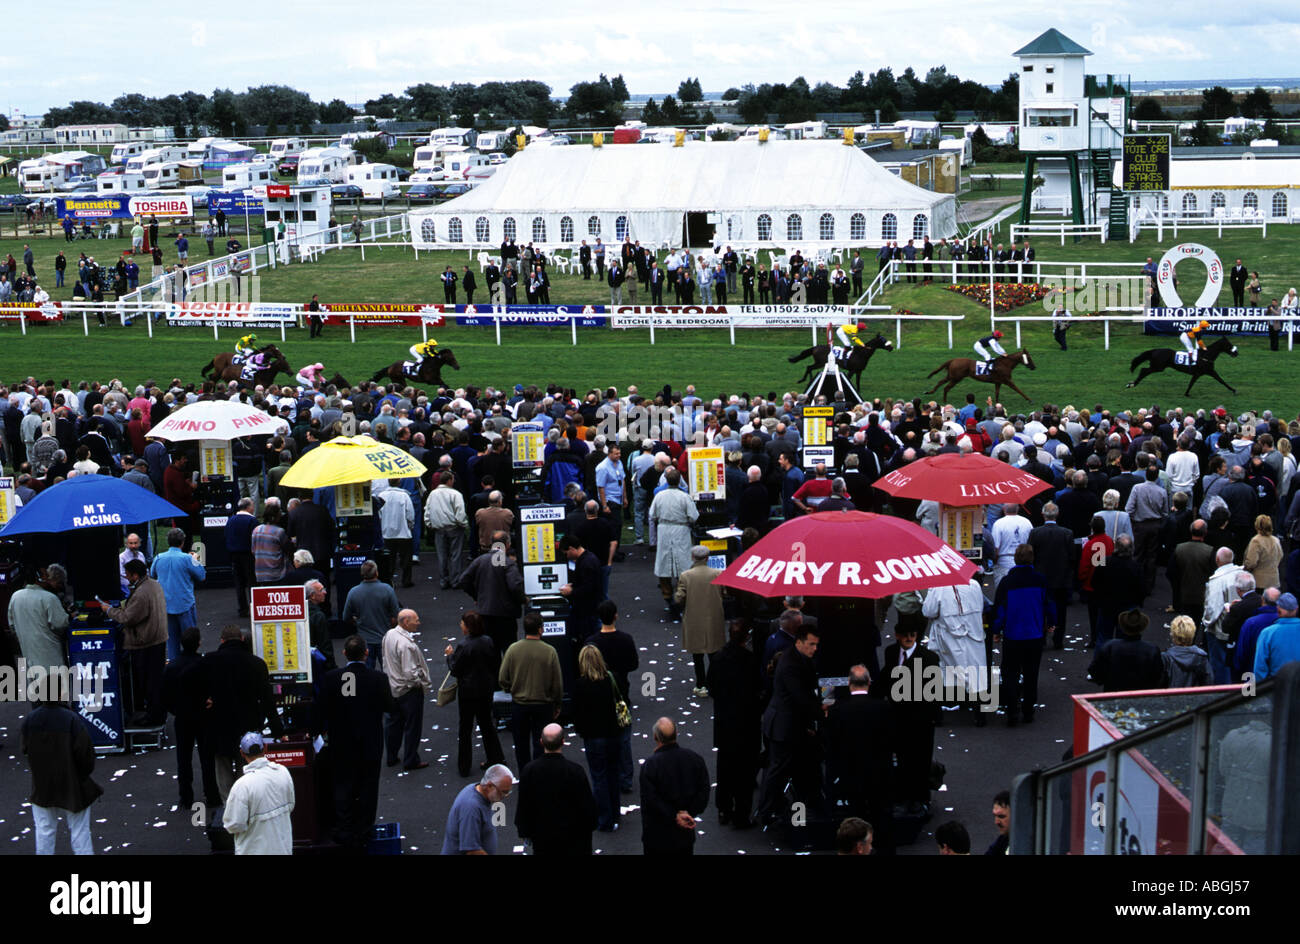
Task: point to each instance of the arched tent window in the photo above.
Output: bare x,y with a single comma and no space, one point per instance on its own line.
455,231
920,226
1250,201
593,226
620,228
539,229
826,227
794,226
508,229
482,231
1279,204
889,226
1189,203
566,229
764,227
428,230
1218,201
857,227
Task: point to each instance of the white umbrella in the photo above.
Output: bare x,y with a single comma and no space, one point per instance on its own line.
217,419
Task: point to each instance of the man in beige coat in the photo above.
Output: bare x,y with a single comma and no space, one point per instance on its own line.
703,625
143,618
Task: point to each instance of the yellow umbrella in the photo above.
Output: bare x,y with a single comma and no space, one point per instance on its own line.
347,460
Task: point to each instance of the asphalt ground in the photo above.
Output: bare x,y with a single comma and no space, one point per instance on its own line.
138,814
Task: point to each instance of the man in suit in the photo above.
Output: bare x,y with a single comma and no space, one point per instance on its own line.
584,259
790,728
350,713
703,629
1126,663
656,279
583,590
737,717
1054,559
235,685
907,666
674,790
859,754
1237,279
556,811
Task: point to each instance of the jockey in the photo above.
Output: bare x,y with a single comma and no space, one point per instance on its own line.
848,336
311,376
420,351
992,341
244,347
253,363
1191,339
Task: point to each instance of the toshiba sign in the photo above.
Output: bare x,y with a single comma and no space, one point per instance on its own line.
169,206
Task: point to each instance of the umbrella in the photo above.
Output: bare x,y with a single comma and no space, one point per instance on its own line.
88,501
216,419
846,554
954,479
346,460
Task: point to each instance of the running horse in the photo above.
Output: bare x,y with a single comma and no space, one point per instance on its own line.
273,362
998,373
852,367
225,360
1162,358
430,369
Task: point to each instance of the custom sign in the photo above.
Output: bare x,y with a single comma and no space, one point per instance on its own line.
231,314
352,500
369,315
279,191
281,633
539,543
961,528
1145,165
526,445
235,204
722,316
7,500
101,207
34,313
214,458
707,479
93,660
590,316
1213,268
172,206
1222,320
545,579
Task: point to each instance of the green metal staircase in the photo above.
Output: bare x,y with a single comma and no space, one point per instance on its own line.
1103,178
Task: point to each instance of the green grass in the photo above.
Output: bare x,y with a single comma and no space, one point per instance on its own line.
757,363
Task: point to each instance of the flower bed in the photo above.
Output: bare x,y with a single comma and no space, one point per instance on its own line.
1006,295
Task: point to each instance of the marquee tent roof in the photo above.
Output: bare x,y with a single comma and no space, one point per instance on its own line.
655,184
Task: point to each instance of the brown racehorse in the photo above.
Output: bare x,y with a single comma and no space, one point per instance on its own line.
223,361
275,364
962,368
430,369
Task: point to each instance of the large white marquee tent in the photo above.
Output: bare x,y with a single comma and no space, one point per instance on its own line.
777,193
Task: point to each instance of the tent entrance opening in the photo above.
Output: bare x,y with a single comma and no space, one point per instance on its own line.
698,231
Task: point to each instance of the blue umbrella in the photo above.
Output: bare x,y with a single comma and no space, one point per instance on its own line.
89,501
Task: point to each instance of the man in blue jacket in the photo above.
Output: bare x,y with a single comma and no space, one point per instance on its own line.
177,573
1025,616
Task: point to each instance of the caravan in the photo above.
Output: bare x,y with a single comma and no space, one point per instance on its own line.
158,176
806,130
375,180
125,151
197,150
350,140
960,146
287,147
38,175
492,141
330,163
110,182
461,136
244,176
458,162
160,155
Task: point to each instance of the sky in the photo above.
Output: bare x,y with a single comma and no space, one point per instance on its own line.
356,51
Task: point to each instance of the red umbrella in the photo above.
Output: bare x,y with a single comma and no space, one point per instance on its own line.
846,554
954,479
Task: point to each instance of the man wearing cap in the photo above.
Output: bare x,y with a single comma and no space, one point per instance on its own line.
1127,663
1279,643
470,827
258,808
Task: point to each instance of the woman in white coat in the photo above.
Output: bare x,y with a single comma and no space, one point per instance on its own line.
673,513
956,617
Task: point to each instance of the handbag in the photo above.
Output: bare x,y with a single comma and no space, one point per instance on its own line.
447,690
621,712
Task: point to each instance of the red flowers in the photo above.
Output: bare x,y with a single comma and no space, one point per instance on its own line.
1006,295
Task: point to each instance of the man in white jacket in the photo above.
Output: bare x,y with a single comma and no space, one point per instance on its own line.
956,617
396,519
444,515
260,803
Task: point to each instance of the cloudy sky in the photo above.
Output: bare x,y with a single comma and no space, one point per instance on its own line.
358,50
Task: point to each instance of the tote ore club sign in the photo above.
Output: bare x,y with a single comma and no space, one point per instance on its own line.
1146,162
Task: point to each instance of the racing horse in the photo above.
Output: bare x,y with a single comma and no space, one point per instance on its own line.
1162,358
998,374
338,382
430,369
225,360
273,363
852,367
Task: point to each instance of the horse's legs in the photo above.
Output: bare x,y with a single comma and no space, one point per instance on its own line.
940,384
948,389
1215,374
1146,372
1012,384
1195,377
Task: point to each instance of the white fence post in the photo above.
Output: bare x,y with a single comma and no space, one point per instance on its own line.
573,327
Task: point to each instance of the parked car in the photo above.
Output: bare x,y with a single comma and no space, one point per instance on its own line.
497,157
424,193
453,190
346,192
288,165
319,180
78,182
12,201
431,175
403,173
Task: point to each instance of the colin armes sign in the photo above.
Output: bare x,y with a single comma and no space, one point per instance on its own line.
1146,162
